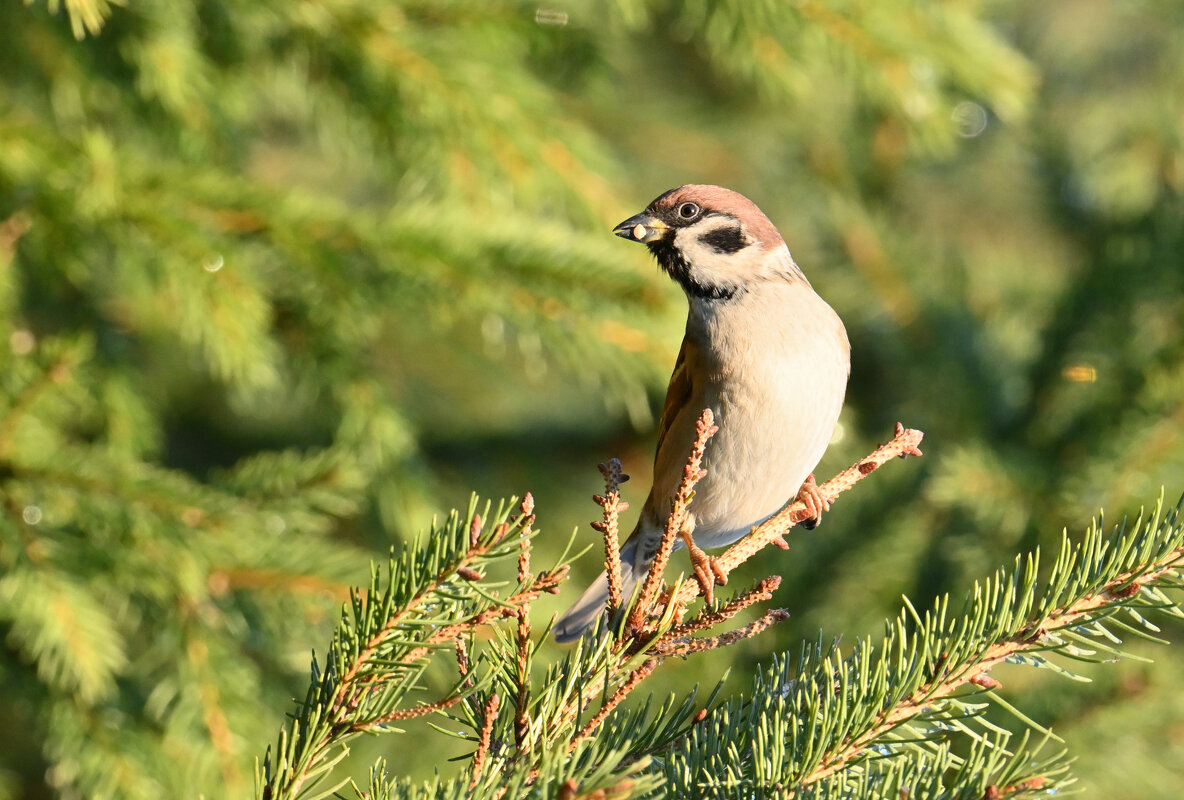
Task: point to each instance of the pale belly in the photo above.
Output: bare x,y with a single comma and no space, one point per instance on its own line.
767,445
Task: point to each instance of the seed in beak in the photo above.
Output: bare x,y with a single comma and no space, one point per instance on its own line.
639,232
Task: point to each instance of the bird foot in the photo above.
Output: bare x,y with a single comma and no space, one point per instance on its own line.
815,503
708,570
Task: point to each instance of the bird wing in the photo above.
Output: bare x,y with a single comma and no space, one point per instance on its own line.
649,526
678,394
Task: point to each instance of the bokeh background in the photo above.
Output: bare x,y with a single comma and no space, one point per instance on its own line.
279,281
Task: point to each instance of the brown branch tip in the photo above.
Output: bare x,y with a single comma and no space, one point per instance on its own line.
484,739
521,717
612,504
705,428
637,676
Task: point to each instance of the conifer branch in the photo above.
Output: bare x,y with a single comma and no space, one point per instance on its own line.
612,504
710,617
635,678
839,718
546,582
484,741
1035,637
400,714
836,720
56,373
676,519
373,660
688,645
521,716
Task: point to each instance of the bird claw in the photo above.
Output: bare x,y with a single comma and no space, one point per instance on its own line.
709,572
811,497
717,569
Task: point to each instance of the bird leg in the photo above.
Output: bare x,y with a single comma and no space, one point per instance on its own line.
815,503
708,570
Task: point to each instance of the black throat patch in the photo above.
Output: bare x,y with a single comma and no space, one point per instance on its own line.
674,265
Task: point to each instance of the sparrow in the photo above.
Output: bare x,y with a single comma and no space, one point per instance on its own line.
762,350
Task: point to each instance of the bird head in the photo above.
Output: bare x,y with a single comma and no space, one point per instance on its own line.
714,242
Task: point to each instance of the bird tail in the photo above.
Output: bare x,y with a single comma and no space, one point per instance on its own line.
591,605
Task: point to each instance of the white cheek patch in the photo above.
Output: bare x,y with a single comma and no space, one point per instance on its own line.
709,264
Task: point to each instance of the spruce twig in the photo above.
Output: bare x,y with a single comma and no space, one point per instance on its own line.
612,504
947,680
688,645
485,739
521,717
851,726
635,678
400,714
368,670
709,617
676,519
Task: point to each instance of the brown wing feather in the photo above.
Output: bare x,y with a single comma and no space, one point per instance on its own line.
678,394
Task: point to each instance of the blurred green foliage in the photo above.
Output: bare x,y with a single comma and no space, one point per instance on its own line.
280,280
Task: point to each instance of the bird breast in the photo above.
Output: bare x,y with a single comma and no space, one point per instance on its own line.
774,364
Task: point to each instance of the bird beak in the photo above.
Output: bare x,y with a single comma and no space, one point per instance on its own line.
642,228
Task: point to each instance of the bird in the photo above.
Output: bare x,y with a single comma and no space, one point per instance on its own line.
762,350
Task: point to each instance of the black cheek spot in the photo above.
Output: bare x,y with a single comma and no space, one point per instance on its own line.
729,239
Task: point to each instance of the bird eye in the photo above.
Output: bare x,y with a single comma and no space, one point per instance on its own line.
688,211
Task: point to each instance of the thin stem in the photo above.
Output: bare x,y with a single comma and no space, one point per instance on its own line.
404,713
521,717
675,521
636,677
612,504
484,739
686,646
708,618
